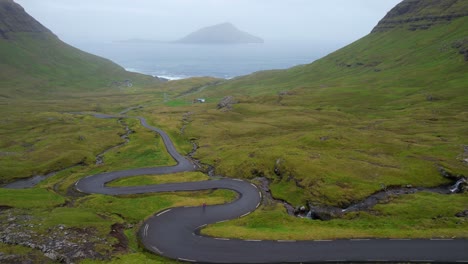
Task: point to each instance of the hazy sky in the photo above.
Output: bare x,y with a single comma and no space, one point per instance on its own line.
327,21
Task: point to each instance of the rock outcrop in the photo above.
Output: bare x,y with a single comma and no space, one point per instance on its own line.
60,243
226,103
13,18
462,214
422,14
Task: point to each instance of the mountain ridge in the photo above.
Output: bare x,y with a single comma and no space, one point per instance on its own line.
15,19
421,14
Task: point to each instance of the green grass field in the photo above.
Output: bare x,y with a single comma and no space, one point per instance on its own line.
159,179
36,143
422,215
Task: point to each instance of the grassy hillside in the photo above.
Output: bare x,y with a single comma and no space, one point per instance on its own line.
35,62
39,63
387,109
396,58
43,83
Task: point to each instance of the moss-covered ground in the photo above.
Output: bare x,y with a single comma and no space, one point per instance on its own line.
422,215
39,137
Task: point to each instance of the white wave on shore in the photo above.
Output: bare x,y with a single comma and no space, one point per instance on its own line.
171,77
165,75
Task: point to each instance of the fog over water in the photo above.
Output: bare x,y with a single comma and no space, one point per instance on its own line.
295,31
177,61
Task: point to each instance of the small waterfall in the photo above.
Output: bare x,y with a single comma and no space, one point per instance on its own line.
456,186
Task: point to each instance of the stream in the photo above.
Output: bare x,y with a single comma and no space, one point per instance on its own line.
314,211
35,180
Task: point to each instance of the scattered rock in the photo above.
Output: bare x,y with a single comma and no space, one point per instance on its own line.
325,138
4,207
6,258
447,174
226,103
268,199
324,213
52,255
59,243
462,214
117,231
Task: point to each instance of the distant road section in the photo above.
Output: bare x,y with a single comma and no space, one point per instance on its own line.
174,232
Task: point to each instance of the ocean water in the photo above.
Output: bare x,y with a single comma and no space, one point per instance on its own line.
178,61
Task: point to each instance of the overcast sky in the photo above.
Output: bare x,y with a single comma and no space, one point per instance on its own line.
328,21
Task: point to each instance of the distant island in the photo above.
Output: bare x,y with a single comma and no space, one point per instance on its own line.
225,33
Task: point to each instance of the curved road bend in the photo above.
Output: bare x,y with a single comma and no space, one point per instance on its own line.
174,233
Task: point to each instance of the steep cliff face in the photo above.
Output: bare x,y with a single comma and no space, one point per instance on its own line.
422,14
13,18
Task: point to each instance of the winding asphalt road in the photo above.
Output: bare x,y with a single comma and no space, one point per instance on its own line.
174,233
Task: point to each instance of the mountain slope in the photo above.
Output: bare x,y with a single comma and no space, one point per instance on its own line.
34,61
225,33
388,109
15,19
418,57
417,14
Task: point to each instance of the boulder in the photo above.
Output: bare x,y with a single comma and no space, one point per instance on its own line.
324,213
226,103
462,214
